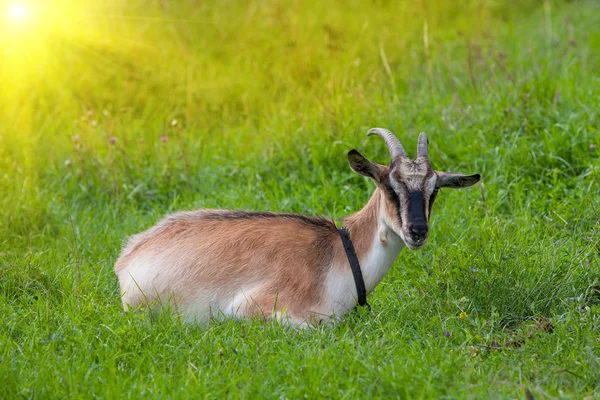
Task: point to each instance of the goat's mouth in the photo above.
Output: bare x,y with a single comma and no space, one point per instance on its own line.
414,243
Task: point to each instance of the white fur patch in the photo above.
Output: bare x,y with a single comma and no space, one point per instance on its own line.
340,289
340,292
139,282
143,283
432,183
394,183
381,257
241,300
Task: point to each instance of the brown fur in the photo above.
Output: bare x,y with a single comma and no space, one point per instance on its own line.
363,225
248,250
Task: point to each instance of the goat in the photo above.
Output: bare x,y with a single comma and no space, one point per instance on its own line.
285,266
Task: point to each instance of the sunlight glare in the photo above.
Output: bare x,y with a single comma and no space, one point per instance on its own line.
17,12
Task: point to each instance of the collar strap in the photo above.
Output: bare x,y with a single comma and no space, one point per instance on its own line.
355,266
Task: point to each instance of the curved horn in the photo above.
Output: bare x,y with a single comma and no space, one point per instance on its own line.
392,142
422,148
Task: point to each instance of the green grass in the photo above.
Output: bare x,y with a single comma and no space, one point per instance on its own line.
269,97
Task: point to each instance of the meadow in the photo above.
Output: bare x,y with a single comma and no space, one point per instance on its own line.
114,114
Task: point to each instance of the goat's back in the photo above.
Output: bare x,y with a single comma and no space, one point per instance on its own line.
234,262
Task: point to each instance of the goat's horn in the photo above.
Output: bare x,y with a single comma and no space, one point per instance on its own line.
422,148
392,142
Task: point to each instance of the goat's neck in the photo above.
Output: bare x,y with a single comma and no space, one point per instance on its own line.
377,245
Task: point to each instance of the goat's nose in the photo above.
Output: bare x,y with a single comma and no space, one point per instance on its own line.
419,230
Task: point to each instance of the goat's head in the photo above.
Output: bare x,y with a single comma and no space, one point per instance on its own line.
410,186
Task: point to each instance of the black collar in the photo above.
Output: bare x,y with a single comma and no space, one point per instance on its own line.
355,266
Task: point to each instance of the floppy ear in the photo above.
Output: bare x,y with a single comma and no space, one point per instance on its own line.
457,181
361,165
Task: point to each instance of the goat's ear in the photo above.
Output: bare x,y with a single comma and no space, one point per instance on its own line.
457,181
363,166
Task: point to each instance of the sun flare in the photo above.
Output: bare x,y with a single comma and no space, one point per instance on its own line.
17,12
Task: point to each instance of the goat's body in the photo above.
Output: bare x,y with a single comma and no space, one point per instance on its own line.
237,263
233,263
